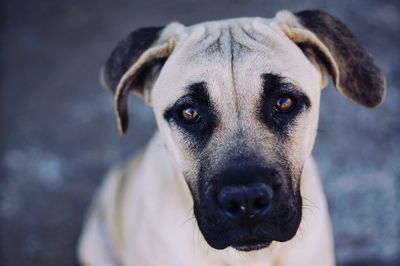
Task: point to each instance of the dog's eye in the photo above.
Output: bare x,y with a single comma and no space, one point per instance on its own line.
284,104
190,114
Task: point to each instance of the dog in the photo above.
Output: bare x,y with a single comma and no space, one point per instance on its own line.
227,178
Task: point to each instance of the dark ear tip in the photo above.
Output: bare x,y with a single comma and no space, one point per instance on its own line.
122,132
375,94
373,103
122,128
378,98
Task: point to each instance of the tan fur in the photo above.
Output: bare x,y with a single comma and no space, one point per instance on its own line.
169,236
143,213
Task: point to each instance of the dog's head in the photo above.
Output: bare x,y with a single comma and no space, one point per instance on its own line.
237,104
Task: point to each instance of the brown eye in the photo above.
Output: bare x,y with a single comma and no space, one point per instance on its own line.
284,104
190,114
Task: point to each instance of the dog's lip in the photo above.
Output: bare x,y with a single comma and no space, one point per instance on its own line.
252,245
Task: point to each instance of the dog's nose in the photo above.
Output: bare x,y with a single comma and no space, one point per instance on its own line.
245,202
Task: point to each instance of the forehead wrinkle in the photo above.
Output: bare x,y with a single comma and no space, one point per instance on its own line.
213,41
230,99
241,48
222,82
251,40
211,44
232,68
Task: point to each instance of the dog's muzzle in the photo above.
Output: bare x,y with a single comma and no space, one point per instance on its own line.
247,208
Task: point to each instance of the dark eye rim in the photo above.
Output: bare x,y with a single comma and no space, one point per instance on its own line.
291,109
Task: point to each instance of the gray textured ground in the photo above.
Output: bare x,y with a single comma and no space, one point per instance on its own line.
58,136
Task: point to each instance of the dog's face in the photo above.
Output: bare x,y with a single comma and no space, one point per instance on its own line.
237,104
242,113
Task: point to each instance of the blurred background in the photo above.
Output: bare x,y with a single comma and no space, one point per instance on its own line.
58,135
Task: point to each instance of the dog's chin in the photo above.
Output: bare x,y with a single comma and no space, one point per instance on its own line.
252,246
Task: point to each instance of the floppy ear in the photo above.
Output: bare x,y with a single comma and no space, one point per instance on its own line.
329,44
134,65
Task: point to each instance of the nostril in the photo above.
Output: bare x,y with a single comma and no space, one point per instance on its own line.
231,201
260,203
233,208
261,199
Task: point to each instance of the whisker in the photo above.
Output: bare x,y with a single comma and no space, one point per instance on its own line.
191,217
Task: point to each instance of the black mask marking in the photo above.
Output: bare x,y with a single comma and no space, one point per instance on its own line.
274,88
197,134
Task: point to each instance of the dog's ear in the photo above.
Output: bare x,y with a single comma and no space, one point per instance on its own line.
329,44
134,65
